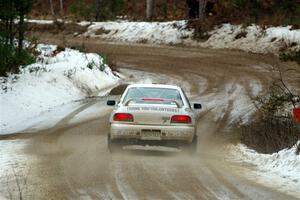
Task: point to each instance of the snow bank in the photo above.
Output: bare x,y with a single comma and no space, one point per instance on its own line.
282,167
173,32
57,78
40,21
251,39
254,38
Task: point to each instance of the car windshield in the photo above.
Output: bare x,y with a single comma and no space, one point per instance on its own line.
148,95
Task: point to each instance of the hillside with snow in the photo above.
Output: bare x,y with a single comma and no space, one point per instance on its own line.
251,38
57,78
254,38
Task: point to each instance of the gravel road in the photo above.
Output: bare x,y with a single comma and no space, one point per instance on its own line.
72,161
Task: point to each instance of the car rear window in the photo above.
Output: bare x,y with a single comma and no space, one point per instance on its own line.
148,95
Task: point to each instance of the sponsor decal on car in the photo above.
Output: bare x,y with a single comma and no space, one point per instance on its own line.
158,109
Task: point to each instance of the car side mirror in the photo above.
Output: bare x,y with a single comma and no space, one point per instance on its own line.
111,102
197,106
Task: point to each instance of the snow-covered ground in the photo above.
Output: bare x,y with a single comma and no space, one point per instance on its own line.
57,78
280,170
173,32
251,38
254,38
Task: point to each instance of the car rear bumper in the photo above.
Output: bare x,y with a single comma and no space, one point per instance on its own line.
162,133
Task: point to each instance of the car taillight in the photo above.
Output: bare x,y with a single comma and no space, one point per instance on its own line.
124,117
181,119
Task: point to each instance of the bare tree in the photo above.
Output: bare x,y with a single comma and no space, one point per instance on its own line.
51,7
150,11
98,6
202,6
61,7
174,8
165,9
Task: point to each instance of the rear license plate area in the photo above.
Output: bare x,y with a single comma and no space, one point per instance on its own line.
150,134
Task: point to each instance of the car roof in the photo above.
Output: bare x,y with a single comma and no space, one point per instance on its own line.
155,86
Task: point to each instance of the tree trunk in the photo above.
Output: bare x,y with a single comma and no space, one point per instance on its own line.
165,9
51,8
61,7
6,32
98,6
21,30
9,23
150,11
202,5
174,8
11,31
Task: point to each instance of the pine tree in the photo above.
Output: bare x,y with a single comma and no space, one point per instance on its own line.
12,57
8,14
23,7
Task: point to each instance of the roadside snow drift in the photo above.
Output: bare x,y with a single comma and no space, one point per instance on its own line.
57,78
281,169
254,38
251,39
173,32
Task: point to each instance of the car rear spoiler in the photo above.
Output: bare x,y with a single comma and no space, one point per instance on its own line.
153,100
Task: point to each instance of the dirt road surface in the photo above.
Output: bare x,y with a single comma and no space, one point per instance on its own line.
72,161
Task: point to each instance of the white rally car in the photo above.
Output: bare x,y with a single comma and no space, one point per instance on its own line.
153,115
